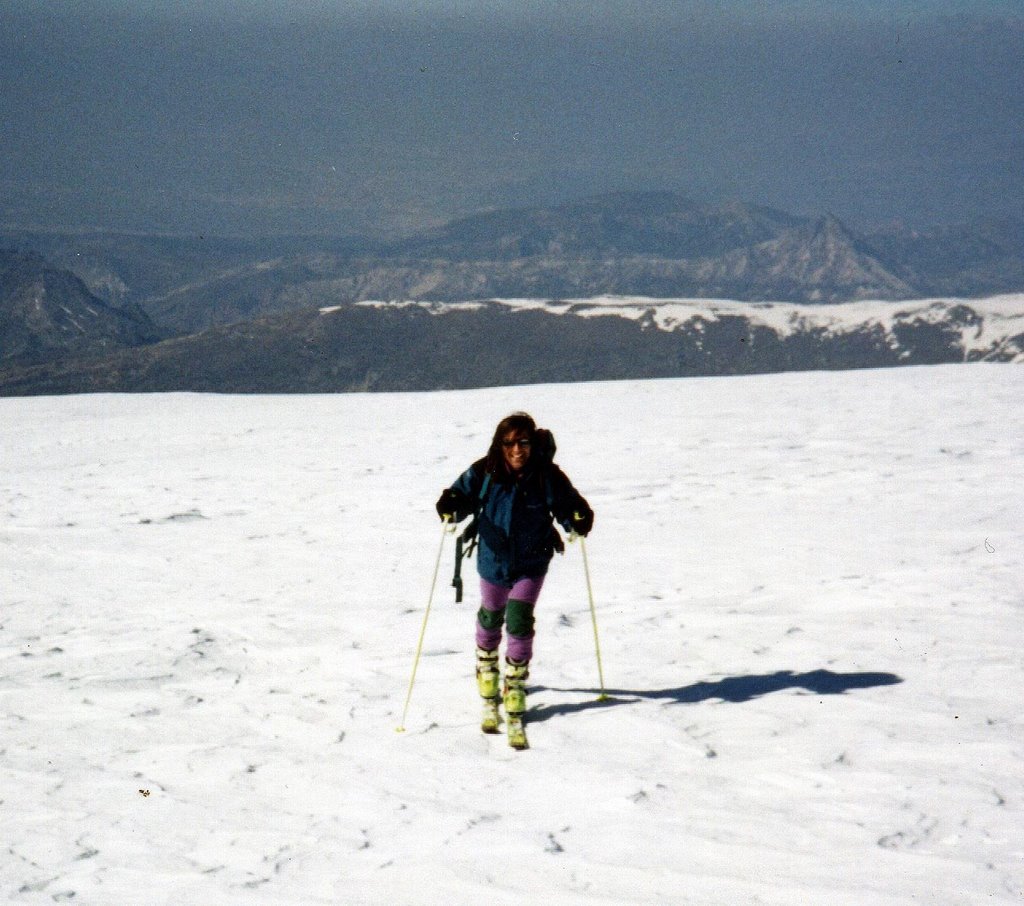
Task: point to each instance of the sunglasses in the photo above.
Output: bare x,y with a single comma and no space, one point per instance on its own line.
521,442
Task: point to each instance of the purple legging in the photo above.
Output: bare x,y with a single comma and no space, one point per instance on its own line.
494,598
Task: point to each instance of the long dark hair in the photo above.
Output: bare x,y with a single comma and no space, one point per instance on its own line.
518,422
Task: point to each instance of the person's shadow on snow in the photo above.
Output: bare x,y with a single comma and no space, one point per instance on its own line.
729,689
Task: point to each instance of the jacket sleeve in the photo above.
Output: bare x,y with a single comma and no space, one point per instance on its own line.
461,496
566,500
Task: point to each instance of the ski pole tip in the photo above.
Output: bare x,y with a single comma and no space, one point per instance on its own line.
399,729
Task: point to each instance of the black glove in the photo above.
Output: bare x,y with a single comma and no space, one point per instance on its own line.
451,503
583,522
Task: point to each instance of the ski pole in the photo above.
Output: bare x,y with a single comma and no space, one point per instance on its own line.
593,615
423,630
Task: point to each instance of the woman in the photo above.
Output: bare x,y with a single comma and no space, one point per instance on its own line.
517,491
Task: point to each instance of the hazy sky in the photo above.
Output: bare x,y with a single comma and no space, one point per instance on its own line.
330,117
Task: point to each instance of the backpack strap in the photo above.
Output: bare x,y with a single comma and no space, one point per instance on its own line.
471,529
466,542
549,496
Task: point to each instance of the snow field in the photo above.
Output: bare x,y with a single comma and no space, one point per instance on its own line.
809,601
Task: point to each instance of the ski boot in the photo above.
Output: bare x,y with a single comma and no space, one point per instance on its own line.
516,674
487,685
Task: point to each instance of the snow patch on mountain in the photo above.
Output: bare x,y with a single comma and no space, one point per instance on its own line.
992,326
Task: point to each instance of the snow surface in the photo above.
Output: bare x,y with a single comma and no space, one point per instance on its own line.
808,591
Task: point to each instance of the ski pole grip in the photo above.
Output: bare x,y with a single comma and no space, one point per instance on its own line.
573,534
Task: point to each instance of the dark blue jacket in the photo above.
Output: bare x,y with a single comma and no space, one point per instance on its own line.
516,517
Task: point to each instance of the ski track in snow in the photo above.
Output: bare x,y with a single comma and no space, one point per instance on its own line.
809,602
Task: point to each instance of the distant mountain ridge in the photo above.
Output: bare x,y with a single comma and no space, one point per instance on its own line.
656,244
413,346
247,315
654,224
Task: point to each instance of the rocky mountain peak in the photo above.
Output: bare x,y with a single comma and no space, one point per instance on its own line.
47,313
829,264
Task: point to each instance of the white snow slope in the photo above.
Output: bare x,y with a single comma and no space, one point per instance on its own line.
809,596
